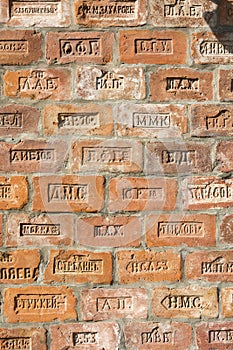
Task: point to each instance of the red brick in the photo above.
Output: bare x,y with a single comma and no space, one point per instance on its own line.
177,229
23,229
104,335
211,120
23,338
105,304
213,266
158,335
68,193
38,84
225,85
148,266
152,47
81,119
214,335
39,304
91,47
151,120
131,13
94,83
106,155
1,230
32,156
193,13
109,231
227,305
189,302
181,84
42,14
136,194
224,157
177,157
225,12
226,230
207,48
13,192
79,266
206,192
19,47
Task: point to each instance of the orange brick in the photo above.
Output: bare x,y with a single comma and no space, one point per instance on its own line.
152,47
38,84
206,192
23,338
91,47
104,335
68,193
136,194
224,157
82,119
213,266
181,84
177,229
94,83
189,302
151,120
177,157
106,155
211,120
214,335
39,304
227,306
148,266
158,335
109,231
225,85
79,266
104,13
105,304
226,230
1,230
23,229
13,192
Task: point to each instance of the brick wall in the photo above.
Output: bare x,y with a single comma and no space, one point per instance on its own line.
116,160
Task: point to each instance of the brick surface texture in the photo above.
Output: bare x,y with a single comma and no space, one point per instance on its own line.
116,174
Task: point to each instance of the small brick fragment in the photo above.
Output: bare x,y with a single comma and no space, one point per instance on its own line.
224,157
38,84
189,302
226,230
136,194
94,83
181,84
227,306
13,192
105,304
39,304
23,338
225,85
214,335
104,335
1,230
4,11
158,335
79,266
109,231
177,229
148,266
106,155
225,12
22,229
68,193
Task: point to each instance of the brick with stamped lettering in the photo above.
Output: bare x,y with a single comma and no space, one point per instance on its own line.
188,302
214,335
106,13
211,120
148,266
23,338
104,335
13,192
105,304
54,229
79,266
177,229
224,157
68,193
158,335
106,156
152,47
109,231
94,83
181,84
226,230
38,84
87,47
227,304
39,304
177,157
225,85
136,194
